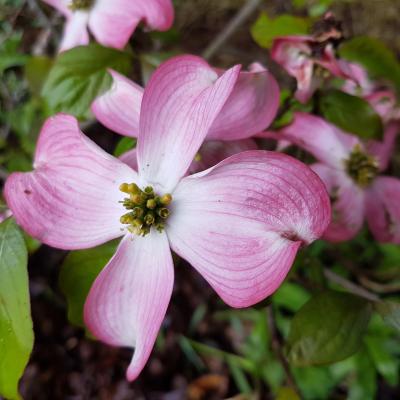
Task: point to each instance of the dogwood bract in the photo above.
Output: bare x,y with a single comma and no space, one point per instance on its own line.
239,223
300,55
350,170
250,108
111,22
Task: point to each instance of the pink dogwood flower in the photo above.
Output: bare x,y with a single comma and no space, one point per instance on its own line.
351,172
239,223
384,103
251,107
300,55
111,22
4,214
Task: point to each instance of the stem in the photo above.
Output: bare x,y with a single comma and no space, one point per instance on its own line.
379,287
350,286
249,7
277,348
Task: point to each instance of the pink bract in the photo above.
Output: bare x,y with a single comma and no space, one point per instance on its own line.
297,55
239,223
111,22
250,108
352,203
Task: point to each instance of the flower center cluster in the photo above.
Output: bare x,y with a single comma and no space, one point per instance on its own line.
146,209
80,4
362,167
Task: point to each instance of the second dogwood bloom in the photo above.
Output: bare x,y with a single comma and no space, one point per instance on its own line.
239,224
351,171
111,22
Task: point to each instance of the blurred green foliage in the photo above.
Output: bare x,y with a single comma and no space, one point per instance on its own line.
266,29
16,333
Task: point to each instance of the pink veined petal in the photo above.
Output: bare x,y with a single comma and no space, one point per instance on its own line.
347,204
358,82
320,138
5,214
130,158
338,68
119,108
213,151
113,22
383,150
251,107
128,301
180,103
383,102
293,53
71,199
60,5
241,222
382,209
75,31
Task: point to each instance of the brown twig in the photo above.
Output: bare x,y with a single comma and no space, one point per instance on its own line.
277,346
350,286
379,287
249,7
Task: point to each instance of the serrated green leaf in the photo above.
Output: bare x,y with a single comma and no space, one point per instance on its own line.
351,113
16,333
79,75
390,312
266,29
78,272
379,61
328,328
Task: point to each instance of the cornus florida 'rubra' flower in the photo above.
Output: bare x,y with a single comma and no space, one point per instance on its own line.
239,223
111,22
250,108
310,62
4,214
385,104
350,170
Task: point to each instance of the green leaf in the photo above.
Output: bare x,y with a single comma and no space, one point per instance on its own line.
125,144
350,113
287,393
390,312
363,384
290,296
77,274
26,121
386,364
266,29
16,333
379,61
241,362
9,54
328,328
36,71
80,75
